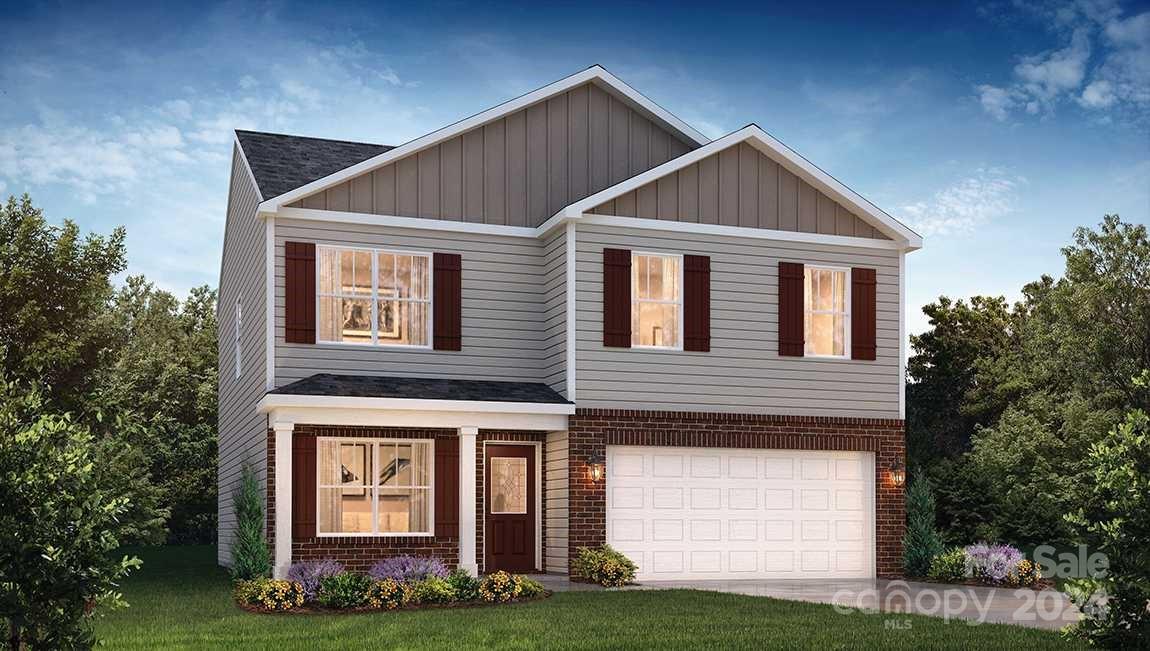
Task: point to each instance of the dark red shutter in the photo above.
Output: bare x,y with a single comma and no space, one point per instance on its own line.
617,298
447,488
864,299
447,302
299,292
791,336
303,487
697,303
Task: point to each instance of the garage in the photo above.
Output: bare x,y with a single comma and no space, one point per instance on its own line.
709,513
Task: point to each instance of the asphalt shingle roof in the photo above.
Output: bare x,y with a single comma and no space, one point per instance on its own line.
282,163
371,386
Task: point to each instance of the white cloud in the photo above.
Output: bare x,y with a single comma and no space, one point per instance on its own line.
1046,76
986,195
1098,94
996,101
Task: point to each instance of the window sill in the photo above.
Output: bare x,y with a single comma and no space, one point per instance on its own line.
363,346
330,536
658,349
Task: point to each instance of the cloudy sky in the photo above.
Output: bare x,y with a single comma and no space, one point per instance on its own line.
993,129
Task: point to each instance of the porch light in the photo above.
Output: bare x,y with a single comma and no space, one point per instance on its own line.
597,466
898,474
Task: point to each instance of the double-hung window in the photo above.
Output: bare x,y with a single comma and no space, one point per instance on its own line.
826,314
374,487
368,296
656,301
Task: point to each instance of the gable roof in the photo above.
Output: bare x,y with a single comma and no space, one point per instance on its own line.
281,163
784,155
595,74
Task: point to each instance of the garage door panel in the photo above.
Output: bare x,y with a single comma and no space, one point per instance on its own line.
700,514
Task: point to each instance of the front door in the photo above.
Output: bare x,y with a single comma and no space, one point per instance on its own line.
510,510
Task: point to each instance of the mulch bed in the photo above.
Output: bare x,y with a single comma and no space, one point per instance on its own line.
1039,586
312,609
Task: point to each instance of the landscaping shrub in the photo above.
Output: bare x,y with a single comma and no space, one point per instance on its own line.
1026,574
921,542
465,586
433,590
992,563
273,594
500,586
530,588
250,557
604,565
949,566
389,594
309,574
408,569
345,590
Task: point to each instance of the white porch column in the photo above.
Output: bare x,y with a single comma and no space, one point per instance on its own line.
282,560
467,559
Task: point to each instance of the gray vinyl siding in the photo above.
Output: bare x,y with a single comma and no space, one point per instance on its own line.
503,307
242,431
555,507
518,170
739,186
743,371
555,310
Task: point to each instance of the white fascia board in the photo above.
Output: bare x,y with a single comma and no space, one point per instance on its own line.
244,158
740,232
421,223
594,73
339,416
278,400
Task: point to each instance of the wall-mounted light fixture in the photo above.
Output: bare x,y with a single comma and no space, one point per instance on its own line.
597,467
898,474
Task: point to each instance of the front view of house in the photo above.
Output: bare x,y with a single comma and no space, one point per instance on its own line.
568,320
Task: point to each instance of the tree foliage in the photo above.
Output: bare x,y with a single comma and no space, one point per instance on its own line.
921,542
250,556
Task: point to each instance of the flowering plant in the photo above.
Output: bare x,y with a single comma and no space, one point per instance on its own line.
408,569
309,573
1025,574
269,593
500,586
389,594
992,563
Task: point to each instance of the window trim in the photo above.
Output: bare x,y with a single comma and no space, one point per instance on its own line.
238,326
375,533
374,343
679,303
846,310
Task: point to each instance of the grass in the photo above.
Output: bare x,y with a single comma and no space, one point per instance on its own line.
180,599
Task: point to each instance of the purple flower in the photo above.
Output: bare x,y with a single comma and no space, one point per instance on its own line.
309,573
991,562
408,568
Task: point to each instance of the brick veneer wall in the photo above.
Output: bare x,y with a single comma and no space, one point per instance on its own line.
359,553
591,430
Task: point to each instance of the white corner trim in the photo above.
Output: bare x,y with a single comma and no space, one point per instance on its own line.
738,231
270,303
594,73
281,400
421,223
787,157
902,352
570,300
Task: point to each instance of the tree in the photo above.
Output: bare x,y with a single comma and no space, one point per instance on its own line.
921,542
61,523
250,556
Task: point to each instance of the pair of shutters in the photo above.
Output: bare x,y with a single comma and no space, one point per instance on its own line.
446,490
299,293
697,305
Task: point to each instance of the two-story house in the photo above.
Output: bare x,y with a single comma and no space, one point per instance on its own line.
567,320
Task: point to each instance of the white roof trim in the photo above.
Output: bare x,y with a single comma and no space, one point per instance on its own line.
279,400
786,156
595,74
408,412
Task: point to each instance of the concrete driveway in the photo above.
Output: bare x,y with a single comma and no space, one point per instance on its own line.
1048,609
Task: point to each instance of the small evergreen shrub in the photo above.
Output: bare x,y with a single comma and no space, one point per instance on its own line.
433,590
500,587
272,594
250,556
344,590
408,569
530,588
949,566
921,542
604,565
389,594
309,574
465,586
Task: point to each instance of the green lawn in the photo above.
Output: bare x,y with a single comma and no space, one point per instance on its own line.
180,599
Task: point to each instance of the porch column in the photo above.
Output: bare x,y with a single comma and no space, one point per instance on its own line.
467,559
283,479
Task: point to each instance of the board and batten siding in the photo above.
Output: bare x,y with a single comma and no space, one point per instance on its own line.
242,431
503,307
743,372
739,186
518,170
555,310
556,507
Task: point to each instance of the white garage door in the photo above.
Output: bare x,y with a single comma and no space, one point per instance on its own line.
698,513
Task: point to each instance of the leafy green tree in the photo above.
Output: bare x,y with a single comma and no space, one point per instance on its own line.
61,519
250,555
921,542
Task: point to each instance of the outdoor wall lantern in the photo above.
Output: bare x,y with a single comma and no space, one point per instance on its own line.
898,474
597,465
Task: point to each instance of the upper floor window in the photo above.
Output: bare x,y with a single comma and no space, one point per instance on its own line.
238,326
825,311
374,486
368,296
656,301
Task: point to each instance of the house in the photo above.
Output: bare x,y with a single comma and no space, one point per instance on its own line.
567,320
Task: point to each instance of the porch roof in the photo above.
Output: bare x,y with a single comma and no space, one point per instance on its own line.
372,386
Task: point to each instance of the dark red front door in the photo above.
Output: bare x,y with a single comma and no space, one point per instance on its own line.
510,508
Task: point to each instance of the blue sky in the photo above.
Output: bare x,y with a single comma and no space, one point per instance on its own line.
994,129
